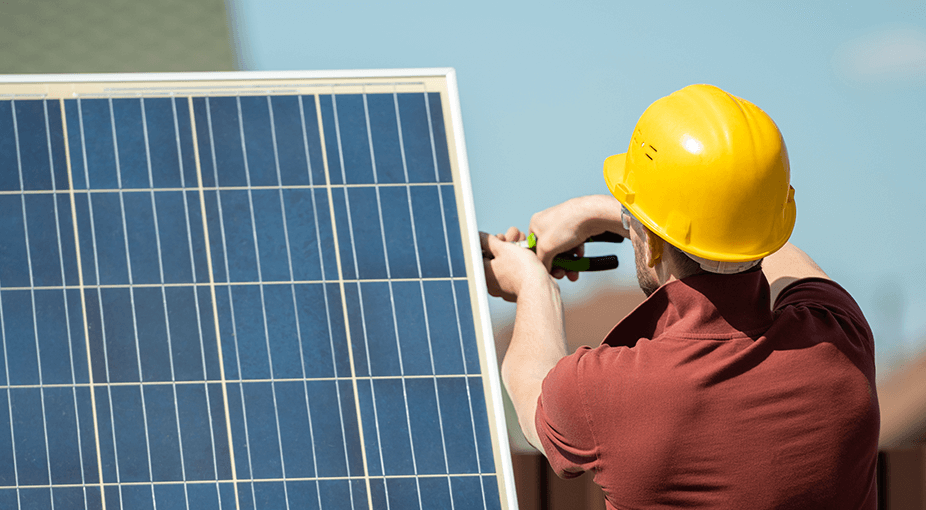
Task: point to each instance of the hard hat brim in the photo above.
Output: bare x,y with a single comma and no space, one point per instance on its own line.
615,176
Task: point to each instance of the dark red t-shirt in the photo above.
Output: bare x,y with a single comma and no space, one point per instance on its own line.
704,397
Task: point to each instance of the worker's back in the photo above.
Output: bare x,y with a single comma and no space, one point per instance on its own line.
722,404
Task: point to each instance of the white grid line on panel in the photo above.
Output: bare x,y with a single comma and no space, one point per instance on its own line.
35,326
379,208
263,306
128,261
321,262
199,324
257,480
289,265
96,263
231,305
67,312
244,381
395,322
215,309
170,348
424,301
350,227
9,402
234,188
232,284
456,309
80,281
353,368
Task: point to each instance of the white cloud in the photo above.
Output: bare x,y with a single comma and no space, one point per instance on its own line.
896,55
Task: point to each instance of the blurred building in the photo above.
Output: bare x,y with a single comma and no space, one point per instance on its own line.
902,395
114,36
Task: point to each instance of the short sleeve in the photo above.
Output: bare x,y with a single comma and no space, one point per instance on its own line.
829,305
562,420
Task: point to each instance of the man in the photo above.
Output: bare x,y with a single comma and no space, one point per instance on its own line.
746,378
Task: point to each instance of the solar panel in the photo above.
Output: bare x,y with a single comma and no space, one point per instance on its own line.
243,291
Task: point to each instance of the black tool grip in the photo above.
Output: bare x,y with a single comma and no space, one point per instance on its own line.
606,237
573,263
603,263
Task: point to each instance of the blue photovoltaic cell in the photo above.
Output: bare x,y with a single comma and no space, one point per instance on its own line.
225,301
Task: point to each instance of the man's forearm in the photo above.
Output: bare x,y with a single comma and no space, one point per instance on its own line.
538,342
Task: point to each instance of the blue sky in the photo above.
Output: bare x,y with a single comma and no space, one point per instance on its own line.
550,89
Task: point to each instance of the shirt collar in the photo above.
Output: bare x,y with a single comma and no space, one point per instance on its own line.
703,306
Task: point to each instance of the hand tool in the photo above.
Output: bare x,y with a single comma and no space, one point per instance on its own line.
572,262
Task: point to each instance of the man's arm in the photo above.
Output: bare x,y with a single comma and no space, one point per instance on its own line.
538,341
788,265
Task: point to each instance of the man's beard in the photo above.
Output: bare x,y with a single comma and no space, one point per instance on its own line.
645,279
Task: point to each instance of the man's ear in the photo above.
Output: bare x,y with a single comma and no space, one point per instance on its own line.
653,248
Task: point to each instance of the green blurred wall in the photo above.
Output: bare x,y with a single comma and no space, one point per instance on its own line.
110,36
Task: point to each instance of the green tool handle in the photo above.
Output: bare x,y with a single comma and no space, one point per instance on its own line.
574,263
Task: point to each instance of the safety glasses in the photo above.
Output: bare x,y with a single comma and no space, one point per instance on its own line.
625,217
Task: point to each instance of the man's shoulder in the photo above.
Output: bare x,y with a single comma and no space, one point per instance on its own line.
816,291
818,312
822,298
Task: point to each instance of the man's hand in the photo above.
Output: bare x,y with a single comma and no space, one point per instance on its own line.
508,267
564,228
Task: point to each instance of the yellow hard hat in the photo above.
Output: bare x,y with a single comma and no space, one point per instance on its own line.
708,172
